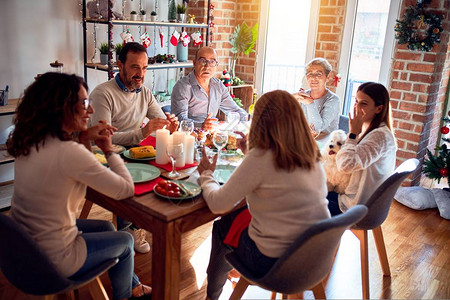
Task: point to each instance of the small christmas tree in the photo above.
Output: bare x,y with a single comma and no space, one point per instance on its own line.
437,166
172,11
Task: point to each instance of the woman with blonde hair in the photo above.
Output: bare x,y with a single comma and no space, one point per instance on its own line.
283,183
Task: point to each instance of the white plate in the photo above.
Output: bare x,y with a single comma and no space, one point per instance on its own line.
191,187
127,155
223,172
142,173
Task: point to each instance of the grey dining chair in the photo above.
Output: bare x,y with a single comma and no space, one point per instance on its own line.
379,204
343,123
28,268
306,262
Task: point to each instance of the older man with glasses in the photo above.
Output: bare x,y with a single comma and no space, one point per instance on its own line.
199,96
321,106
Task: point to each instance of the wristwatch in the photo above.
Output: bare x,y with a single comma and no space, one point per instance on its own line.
108,154
352,136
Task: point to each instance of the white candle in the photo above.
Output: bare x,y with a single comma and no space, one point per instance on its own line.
189,142
178,138
162,139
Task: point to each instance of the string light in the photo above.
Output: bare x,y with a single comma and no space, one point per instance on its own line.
94,33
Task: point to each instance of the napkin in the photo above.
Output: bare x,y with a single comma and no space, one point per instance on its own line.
148,141
145,187
168,167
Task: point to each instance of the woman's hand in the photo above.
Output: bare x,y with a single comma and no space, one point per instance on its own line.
205,164
356,123
303,98
242,142
96,131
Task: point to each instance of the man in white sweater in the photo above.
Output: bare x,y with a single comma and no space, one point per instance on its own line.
124,102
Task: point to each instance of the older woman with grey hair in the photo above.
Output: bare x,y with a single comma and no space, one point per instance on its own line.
320,105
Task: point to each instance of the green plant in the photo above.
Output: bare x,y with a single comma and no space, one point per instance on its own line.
242,40
153,13
118,48
133,12
181,9
104,48
143,12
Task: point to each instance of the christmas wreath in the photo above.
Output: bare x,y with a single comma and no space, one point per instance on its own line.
418,29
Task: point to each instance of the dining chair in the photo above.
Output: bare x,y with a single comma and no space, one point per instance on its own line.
343,123
306,262
379,204
28,268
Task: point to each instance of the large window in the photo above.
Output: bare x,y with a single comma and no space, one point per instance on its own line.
288,28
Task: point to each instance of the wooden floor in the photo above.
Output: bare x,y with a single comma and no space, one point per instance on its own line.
417,242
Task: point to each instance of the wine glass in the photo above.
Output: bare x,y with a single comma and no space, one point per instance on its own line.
233,119
187,126
220,140
174,151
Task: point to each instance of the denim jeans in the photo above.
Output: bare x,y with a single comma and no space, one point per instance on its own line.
218,267
333,203
103,243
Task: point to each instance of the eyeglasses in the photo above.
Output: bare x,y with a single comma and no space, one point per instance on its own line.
86,102
318,75
210,63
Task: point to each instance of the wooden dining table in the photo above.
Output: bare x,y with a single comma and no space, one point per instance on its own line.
167,221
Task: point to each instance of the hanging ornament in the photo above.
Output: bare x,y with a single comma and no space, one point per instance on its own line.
185,39
145,39
161,37
127,37
445,130
197,38
174,38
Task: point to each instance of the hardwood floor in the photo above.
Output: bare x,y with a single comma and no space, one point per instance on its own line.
418,248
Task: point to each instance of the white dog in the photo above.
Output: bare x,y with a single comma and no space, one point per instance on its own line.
336,181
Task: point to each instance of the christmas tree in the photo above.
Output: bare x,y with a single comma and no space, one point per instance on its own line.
437,166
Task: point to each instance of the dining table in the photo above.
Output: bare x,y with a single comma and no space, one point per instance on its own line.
167,220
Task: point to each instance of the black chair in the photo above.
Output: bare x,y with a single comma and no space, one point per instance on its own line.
379,204
29,269
343,123
306,262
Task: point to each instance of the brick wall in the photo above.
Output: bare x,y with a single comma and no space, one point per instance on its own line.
228,13
418,89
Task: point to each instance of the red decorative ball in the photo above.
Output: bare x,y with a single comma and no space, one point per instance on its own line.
445,130
443,172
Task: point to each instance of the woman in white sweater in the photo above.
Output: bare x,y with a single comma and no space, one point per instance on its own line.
281,179
52,171
369,152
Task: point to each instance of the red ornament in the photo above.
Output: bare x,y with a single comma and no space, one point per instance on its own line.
443,172
445,130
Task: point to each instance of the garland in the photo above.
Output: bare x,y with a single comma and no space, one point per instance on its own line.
418,29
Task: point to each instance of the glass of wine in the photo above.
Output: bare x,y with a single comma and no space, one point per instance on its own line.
174,151
233,119
220,140
187,126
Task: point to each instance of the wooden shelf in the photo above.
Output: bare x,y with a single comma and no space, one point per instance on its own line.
5,157
157,66
147,23
10,108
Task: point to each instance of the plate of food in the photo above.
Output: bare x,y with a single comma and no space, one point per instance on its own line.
142,172
116,149
144,153
177,189
223,172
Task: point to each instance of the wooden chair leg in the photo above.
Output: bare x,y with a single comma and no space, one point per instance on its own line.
319,291
273,295
364,249
70,295
97,290
240,288
114,220
86,209
381,249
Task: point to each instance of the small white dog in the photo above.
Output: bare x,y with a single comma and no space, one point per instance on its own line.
336,181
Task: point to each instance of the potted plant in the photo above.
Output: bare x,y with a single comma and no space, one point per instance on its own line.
118,48
172,11
104,51
133,15
242,40
143,15
181,12
153,16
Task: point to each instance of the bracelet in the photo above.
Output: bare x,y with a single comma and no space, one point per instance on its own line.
108,154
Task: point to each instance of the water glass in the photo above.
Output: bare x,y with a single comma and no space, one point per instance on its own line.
220,140
174,151
187,126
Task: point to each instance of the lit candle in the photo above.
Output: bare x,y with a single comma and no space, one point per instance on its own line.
162,139
178,138
189,149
